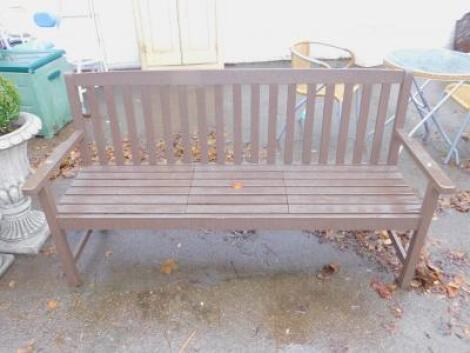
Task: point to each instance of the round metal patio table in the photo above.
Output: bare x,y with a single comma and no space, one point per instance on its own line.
433,64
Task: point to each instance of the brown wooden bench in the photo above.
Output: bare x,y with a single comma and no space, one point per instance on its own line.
343,186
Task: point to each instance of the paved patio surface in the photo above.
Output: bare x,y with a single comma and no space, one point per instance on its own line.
235,292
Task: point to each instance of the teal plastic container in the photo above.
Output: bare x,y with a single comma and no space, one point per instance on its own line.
39,77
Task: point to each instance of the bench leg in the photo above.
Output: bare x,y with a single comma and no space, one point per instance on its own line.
67,258
417,242
59,237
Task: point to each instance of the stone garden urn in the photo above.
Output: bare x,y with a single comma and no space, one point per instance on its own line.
22,230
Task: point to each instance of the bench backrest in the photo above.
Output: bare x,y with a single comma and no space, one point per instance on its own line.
154,117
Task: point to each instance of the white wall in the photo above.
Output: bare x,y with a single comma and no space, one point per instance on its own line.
264,29
259,30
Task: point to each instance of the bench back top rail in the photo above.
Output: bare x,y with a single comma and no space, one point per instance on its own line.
158,117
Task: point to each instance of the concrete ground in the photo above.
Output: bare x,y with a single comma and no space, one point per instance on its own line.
237,291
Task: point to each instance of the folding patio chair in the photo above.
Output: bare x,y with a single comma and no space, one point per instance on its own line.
307,54
461,96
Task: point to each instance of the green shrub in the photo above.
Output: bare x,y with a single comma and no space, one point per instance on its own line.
9,105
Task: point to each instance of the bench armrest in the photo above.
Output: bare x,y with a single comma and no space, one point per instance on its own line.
433,171
36,181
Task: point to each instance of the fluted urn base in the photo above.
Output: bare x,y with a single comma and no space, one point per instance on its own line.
5,261
22,230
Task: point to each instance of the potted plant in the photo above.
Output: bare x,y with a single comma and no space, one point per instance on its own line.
22,230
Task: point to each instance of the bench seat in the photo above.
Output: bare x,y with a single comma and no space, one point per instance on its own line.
240,197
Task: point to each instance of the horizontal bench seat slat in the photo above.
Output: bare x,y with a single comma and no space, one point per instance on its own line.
238,175
168,199
123,209
243,182
352,199
302,190
343,209
228,190
339,190
249,208
124,190
132,183
260,190
345,182
301,182
238,199
339,175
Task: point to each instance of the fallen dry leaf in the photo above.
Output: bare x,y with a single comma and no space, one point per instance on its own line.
383,290
457,255
459,201
396,311
49,251
428,274
237,185
391,327
453,287
52,304
328,270
28,347
12,284
168,266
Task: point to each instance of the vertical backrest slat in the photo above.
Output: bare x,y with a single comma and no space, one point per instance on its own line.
219,123
344,124
290,124
254,148
326,123
186,135
202,123
308,123
362,124
380,123
131,124
167,125
237,124
114,123
149,123
272,123
402,106
97,124
78,119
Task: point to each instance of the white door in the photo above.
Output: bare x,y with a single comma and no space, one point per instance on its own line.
176,32
157,24
197,20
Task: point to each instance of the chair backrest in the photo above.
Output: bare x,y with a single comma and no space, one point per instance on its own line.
235,115
307,55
